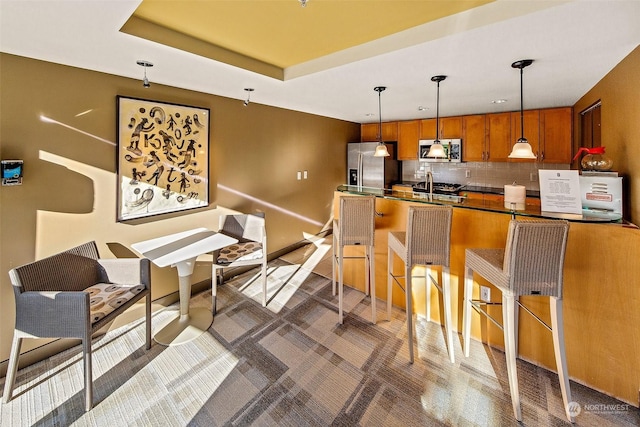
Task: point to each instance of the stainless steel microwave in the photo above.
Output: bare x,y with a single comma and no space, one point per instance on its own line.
452,148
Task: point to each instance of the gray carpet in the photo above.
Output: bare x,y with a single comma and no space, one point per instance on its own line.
291,364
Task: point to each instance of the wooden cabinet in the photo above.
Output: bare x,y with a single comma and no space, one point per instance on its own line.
499,143
408,135
486,137
369,132
556,135
428,129
531,131
450,128
473,138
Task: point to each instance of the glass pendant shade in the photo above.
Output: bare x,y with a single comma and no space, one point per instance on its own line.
381,150
522,150
437,150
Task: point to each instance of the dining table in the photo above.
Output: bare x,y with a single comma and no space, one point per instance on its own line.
181,250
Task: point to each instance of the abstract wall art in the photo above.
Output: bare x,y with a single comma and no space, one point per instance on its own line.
162,157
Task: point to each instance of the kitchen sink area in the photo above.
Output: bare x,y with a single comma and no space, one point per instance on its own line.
439,197
442,191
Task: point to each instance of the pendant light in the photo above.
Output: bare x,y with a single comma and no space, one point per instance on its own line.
381,148
437,150
522,148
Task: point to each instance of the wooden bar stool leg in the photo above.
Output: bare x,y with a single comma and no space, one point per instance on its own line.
340,282
389,282
510,348
372,282
427,293
516,322
466,309
12,368
446,300
333,264
557,331
367,268
409,305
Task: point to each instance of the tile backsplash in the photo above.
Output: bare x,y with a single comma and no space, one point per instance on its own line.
484,174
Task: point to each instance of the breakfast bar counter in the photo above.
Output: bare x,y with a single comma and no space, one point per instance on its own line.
601,287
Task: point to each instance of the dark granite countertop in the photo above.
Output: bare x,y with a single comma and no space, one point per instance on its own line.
479,189
462,202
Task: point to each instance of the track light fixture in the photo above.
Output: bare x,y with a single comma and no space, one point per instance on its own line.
145,64
249,90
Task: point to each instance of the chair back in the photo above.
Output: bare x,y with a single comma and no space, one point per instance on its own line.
244,227
357,220
72,270
534,256
429,235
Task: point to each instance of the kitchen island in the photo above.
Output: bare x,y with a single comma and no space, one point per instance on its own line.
601,289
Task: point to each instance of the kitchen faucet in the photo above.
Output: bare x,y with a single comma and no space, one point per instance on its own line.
428,180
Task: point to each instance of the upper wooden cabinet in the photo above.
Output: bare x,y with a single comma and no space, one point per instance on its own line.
556,135
473,138
531,131
450,128
428,129
499,142
408,135
369,132
486,137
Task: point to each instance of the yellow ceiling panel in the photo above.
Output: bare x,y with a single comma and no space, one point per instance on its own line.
282,33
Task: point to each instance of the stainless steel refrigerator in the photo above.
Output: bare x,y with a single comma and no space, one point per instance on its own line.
365,170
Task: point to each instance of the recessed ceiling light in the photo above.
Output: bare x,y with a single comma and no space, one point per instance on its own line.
421,108
369,114
498,101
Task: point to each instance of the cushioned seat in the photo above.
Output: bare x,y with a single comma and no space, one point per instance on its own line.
246,251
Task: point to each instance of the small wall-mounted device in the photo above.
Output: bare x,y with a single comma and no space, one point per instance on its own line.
11,171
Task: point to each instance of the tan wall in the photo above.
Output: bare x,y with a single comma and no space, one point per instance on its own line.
618,92
69,191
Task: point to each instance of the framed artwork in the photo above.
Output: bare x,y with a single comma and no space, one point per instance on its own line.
162,158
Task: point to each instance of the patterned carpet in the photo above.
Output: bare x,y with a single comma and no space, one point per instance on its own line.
291,364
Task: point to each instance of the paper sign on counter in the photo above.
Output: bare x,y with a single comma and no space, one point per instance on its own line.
560,191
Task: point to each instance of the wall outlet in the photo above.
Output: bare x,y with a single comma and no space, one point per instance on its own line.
532,177
467,173
485,294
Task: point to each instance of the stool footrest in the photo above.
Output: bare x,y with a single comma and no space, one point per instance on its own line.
477,305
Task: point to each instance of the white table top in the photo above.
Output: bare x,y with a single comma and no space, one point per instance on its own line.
183,246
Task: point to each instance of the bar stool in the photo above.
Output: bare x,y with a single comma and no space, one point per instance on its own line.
355,226
426,242
530,264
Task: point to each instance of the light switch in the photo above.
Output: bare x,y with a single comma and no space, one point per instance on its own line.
305,174
299,175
